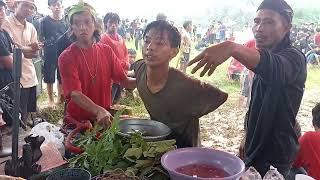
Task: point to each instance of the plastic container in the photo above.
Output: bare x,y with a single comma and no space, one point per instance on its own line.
70,174
197,155
303,177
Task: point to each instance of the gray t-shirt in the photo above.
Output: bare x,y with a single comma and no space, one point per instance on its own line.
180,104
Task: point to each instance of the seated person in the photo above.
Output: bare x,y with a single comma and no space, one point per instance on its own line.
313,56
309,153
87,69
169,95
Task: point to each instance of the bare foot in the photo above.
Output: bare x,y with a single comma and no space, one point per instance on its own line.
60,100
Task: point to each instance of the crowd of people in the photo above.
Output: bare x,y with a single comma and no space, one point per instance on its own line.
93,65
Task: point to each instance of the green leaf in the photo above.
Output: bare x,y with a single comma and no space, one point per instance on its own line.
132,171
132,154
144,163
86,164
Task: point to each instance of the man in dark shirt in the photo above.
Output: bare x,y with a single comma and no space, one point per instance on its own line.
277,90
6,62
169,95
51,28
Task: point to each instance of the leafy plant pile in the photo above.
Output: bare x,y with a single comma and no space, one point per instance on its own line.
134,155
117,174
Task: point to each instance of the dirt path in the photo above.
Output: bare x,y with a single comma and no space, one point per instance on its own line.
223,129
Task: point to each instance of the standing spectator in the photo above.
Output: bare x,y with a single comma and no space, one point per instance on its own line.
221,34
6,61
25,35
138,36
317,38
117,44
246,80
51,28
122,29
186,42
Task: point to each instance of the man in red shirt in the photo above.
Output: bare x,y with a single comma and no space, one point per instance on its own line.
309,153
87,69
114,40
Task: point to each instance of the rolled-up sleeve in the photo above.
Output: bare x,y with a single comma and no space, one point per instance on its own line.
283,67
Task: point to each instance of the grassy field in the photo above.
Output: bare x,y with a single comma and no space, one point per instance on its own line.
218,79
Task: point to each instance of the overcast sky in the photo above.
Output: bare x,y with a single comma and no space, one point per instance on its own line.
174,9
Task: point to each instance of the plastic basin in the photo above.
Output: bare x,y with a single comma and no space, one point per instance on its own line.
231,164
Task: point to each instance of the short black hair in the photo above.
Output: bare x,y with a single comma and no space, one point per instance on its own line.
186,24
318,29
111,16
316,116
51,2
161,16
173,33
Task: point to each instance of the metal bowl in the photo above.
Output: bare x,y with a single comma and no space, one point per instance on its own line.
150,130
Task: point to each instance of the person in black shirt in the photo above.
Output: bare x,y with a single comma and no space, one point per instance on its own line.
51,28
6,63
277,90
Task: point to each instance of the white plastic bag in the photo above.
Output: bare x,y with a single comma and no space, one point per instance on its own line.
251,174
51,133
273,174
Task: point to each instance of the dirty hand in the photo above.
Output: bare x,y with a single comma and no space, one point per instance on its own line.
211,57
36,46
103,118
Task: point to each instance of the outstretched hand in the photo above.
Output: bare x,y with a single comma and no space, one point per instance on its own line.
211,57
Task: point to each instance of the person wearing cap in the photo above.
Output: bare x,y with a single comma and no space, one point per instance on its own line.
51,28
24,35
87,69
277,90
117,43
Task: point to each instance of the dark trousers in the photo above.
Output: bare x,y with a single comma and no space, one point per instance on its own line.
28,102
116,93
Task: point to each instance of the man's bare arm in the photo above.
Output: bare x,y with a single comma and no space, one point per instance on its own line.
84,102
6,62
215,55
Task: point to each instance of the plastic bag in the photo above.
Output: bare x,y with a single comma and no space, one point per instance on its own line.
273,174
251,174
51,133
